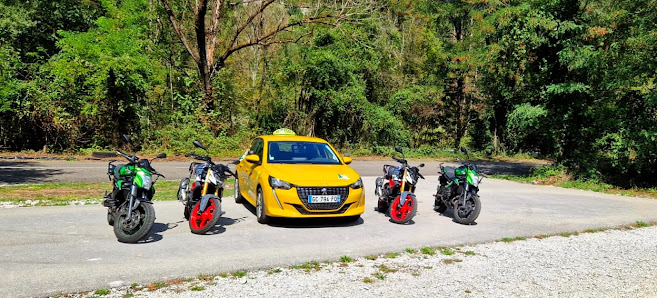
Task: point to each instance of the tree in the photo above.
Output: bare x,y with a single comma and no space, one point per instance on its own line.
219,27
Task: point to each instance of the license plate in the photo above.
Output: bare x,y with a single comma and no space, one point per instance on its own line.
324,199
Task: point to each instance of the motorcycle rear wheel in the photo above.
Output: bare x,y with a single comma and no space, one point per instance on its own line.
204,222
466,215
127,233
402,214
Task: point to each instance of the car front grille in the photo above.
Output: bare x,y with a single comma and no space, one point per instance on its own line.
304,192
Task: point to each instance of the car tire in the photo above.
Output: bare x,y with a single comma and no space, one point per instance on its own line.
261,215
237,195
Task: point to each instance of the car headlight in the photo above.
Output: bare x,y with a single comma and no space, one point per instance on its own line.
358,184
278,183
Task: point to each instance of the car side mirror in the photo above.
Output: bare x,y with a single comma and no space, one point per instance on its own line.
252,158
347,160
161,155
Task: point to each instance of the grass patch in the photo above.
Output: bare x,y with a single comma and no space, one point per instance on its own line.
391,255
134,285
155,286
312,265
447,251
428,250
641,224
452,261
239,273
205,277
568,234
223,274
128,295
380,276
197,288
385,269
67,193
274,271
590,231
469,253
371,258
346,259
411,251
102,292
508,240
368,280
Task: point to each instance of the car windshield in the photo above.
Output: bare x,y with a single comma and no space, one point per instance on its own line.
301,153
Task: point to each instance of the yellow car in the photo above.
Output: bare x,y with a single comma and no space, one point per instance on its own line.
295,176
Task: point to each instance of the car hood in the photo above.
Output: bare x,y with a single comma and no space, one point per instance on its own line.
314,175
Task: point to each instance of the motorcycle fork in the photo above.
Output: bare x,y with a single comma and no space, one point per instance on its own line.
205,187
466,189
133,203
403,188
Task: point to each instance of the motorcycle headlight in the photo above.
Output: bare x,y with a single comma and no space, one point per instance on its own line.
475,180
358,184
278,183
410,179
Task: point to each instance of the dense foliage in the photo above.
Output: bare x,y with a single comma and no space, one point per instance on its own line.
564,79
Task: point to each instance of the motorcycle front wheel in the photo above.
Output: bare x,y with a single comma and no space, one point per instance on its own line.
467,213
131,228
204,222
402,214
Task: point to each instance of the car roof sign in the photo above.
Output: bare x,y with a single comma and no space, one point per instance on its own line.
284,132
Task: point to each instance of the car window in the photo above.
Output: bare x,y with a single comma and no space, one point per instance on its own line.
256,147
301,153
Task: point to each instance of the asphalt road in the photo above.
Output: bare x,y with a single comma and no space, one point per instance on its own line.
37,171
50,250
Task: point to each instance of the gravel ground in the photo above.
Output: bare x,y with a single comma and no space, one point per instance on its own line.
614,263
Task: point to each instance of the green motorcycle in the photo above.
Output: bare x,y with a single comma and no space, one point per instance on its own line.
130,208
459,189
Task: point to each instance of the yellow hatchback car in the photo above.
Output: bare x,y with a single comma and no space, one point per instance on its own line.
295,176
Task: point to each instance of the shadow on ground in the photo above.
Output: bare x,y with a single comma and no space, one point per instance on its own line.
507,168
296,223
25,172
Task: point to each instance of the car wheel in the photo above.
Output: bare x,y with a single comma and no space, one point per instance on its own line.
260,208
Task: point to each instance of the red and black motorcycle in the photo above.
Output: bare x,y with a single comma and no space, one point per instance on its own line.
202,197
396,190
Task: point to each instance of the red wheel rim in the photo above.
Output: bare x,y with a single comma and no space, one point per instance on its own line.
400,212
200,221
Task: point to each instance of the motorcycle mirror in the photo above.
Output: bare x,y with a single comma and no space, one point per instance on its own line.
421,165
235,162
399,150
127,139
198,144
161,155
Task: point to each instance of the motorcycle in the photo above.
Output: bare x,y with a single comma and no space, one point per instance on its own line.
458,189
396,190
130,207
202,198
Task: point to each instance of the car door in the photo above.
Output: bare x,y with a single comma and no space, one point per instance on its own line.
251,170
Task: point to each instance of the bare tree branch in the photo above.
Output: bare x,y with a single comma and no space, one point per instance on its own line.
239,30
179,32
